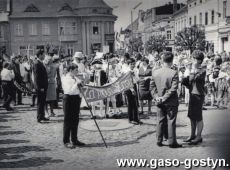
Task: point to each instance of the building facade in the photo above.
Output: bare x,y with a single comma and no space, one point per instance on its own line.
4,26
180,19
214,15
69,25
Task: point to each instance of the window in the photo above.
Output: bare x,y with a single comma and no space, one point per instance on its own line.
18,30
45,29
61,28
31,8
224,9
169,35
33,29
1,32
95,30
201,1
195,4
206,18
213,16
70,49
176,27
67,28
74,27
190,21
201,19
195,20
94,10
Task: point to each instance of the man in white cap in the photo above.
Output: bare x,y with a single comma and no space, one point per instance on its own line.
76,60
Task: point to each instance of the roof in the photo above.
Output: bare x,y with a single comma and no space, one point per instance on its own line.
52,8
183,9
92,4
167,9
134,26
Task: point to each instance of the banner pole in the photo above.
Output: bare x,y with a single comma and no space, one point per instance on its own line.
90,109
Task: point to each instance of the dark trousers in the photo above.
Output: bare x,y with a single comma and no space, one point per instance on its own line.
17,95
41,97
7,87
166,117
132,106
71,108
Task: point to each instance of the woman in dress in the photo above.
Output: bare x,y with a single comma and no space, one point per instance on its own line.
196,84
145,73
51,91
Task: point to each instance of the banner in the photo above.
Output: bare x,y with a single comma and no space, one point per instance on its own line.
23,88
95,93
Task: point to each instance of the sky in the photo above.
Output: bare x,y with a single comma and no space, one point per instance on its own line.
122,9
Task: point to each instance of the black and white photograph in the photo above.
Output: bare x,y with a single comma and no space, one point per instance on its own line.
114,84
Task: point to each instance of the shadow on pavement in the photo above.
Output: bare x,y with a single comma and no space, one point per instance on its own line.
11,133
12,141
30,162
121,143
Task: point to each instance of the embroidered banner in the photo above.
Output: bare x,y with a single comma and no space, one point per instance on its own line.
95,93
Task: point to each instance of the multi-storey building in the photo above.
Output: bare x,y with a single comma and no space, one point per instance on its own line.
180,19
4,26
70,25
215,16
156,21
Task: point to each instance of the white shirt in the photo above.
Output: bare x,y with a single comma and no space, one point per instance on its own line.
70,84
7,75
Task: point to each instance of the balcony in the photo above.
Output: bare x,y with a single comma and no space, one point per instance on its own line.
109,37
228,20
4,17
68,37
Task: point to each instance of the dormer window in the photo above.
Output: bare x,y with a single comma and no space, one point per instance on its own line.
94,10
31,8
66,7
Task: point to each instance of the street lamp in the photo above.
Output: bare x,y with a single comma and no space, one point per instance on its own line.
135,7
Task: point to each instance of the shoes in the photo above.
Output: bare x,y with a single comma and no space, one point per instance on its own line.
52,114
159,144
78,143
57,107
134,122
45,119
141,113
204,108
175,145
69,145
196,141
32,105
9,109
20,103
189,139
140,122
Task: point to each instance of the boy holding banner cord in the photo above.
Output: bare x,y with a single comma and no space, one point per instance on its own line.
71,106
131,95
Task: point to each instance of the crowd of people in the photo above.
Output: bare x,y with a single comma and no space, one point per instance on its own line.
168,79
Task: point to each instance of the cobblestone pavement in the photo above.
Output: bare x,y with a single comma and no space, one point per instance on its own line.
26,144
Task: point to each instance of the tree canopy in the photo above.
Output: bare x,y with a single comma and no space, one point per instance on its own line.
156,43
191,38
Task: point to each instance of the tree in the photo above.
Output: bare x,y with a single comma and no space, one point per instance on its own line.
191,38
156,43
135,44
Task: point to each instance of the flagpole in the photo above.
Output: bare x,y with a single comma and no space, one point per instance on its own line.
90,109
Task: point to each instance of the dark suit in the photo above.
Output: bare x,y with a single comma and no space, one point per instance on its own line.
18,79
165,84
41,85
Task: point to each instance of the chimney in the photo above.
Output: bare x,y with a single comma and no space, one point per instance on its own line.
174,6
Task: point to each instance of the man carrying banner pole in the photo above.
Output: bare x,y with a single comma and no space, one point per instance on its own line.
71,107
